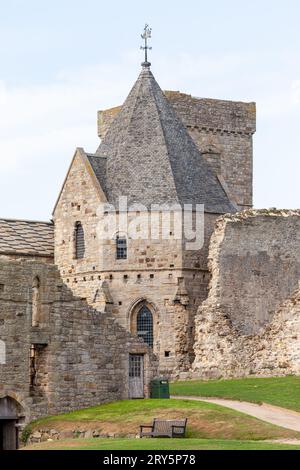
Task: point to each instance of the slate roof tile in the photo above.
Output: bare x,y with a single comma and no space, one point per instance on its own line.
26,237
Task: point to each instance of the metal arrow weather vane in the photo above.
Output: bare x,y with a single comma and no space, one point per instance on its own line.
146,35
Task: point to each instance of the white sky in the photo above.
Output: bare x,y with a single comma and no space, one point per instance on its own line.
63,60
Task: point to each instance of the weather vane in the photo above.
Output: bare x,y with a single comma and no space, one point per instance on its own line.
146,35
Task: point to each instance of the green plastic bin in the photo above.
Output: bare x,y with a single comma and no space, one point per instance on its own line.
159,388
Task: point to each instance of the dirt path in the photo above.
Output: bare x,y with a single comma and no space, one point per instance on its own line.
271,414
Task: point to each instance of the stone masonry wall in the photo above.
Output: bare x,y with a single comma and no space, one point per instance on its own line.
249,323
223,132
82,355
277,350
221,350
152,273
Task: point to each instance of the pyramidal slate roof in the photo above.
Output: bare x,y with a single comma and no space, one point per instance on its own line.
151,158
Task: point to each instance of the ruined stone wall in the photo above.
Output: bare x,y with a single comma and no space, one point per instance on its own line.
222,351
152,272
246,324
258,256
223,132
82,355
276,351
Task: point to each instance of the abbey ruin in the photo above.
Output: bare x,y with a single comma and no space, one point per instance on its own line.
86,319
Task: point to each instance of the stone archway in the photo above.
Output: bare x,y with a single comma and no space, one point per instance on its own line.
11,412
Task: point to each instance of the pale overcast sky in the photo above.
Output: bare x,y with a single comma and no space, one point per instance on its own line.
62,60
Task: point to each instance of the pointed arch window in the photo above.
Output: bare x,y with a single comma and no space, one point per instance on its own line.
79,241
121,247
144,325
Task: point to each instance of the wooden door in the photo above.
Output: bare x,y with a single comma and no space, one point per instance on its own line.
8,434
136,376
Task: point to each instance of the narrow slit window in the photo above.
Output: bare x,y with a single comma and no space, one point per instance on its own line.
33,354
79,241
36,302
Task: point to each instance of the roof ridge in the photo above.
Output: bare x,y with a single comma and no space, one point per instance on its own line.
119,115
27,221
152,82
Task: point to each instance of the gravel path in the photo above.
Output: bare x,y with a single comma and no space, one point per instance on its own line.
271,414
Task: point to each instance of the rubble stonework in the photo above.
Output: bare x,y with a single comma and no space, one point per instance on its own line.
249,322
82,354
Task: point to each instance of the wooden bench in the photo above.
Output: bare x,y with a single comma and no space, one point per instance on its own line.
164,428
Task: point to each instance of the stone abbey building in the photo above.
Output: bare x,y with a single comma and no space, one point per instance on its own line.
86,319
147,154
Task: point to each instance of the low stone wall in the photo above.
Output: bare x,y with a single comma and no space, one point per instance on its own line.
44,435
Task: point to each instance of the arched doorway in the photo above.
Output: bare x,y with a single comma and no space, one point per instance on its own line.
142,320
10,414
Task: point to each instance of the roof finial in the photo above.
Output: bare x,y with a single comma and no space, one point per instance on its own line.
146,35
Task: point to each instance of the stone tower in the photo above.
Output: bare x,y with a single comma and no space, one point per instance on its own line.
153,287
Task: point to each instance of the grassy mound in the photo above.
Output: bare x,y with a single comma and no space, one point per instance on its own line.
280,391
205,420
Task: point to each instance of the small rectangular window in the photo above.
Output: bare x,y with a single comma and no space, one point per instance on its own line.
121,246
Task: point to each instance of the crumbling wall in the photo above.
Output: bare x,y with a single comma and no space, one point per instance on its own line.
249,323
278,347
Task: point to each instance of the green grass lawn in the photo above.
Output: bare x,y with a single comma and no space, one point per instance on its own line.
280,391
159,444
205,420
